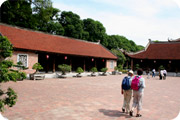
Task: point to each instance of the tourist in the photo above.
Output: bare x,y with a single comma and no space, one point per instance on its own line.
161,74
147,73
153,73
127,91
165,74
138,85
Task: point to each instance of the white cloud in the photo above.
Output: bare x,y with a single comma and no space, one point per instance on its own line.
1,1
139,26
177,2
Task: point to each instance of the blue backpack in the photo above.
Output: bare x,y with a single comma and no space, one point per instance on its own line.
125,84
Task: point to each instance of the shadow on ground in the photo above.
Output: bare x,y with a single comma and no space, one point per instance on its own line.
114,113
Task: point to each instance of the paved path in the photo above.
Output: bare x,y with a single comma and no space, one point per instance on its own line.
91,98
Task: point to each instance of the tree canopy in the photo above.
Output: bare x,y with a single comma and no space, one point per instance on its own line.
7,97
41,15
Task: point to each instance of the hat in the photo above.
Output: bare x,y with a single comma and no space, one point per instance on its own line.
131,72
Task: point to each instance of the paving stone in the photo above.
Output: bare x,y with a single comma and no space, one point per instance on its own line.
91,98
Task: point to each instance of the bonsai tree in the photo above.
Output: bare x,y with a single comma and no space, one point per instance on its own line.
137,66
94,69
104,70
120,67
79,70
64,68
7,97
161,67
116,68
37,67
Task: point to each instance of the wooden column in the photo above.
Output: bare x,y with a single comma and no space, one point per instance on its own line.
132,64
54,64
84,65
71,63
95,63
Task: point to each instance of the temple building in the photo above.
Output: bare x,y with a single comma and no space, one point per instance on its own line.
155,54
50,50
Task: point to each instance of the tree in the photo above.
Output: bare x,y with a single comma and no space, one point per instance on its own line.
7,97
37,67
55,28
64,68
95,29
43,13
17,12
121,58
73,26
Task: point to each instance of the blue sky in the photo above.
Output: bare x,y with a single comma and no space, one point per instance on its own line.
138,20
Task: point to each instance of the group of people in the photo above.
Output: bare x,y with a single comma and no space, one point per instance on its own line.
162,73
133,86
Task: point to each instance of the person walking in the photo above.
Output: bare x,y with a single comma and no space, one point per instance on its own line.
127,91
161,74
138,85
153,72
165,74
147,73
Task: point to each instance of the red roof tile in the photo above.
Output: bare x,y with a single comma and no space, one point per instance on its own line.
39,41
164,50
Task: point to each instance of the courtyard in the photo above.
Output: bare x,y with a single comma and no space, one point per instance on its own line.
91,98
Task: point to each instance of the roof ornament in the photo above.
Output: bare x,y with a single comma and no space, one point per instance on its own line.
150,40
98,41
169,40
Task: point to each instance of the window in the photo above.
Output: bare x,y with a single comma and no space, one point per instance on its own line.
23,58
112,64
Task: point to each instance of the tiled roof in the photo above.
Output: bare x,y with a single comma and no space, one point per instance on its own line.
39,41
164,50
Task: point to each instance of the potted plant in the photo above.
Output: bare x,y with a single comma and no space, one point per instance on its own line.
37,67
64,68
79,70
104,70
36,74
115,70
93,70
137,66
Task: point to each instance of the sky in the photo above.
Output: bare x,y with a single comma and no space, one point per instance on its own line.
137,20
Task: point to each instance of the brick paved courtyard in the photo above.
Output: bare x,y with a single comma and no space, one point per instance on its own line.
91,98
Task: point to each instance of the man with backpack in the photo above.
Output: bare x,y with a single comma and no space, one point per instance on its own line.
137,85
127,91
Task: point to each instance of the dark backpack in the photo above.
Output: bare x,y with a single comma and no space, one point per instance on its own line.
125,84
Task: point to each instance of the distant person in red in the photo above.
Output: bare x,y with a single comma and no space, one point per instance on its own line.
138,85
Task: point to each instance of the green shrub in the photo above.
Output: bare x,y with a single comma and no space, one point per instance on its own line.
124,71
37,67
64,68
161,67
115,68
79,70
120,67
94,69
104,70
137,66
